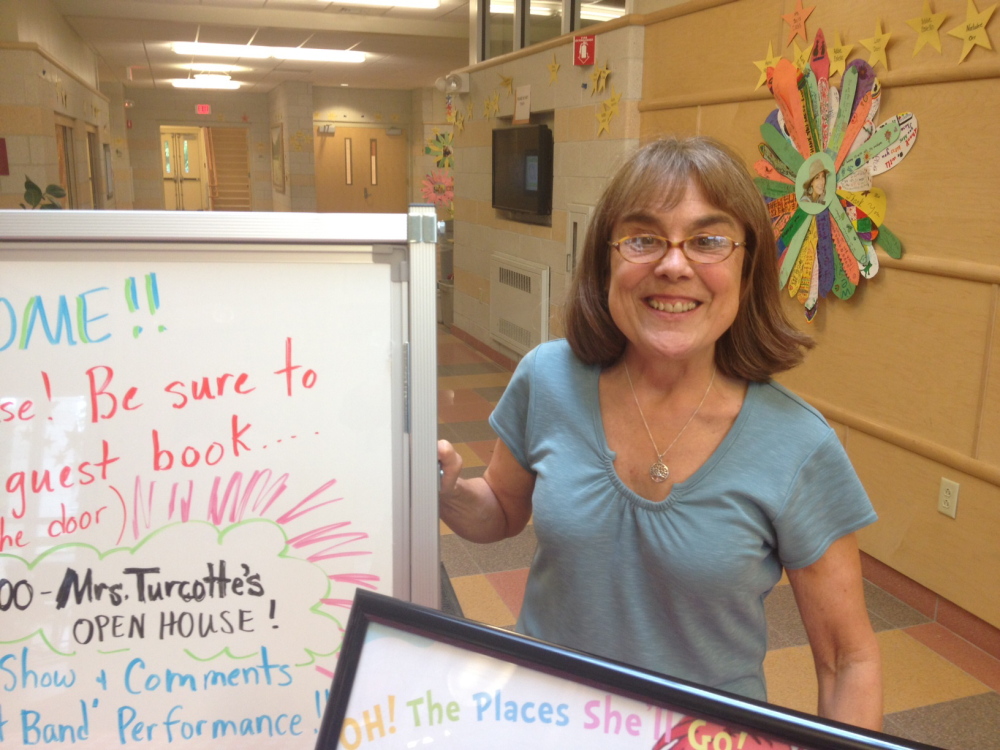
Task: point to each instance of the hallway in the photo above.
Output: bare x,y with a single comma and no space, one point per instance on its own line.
940,689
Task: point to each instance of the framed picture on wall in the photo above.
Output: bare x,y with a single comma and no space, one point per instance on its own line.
408,676
109,172
278,158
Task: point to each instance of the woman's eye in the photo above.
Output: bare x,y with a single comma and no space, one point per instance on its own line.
710,242
645,241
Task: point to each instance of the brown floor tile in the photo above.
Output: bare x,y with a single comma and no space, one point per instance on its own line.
891,610
451,396
784,624
471,432
456,558
470,458
510,586
484,449
486,380
465,412
959,652
457,353
471,472
469,368
491,394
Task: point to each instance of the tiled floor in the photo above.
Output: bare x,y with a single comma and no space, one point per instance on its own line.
939,688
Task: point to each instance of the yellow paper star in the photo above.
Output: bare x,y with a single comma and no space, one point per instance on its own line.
553,70
599,77
469,110
877,45
491,106
972,30
797,20
507,83
604,121
611,103
838,55
800,57
926,25
762,65
459,121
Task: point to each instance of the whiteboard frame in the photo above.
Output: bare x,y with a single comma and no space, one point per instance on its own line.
290,238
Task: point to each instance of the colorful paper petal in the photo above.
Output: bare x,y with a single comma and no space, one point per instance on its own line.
890,157
890,243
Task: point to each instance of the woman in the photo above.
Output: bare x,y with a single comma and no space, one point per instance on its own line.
669,479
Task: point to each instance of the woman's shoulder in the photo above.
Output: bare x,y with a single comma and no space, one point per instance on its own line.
783,412
555,353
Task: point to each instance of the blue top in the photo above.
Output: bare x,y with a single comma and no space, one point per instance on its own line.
676,586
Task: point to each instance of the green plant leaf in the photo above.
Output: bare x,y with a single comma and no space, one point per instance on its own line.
55,191
32,193
50,206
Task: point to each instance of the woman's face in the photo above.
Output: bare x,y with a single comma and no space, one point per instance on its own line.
675,308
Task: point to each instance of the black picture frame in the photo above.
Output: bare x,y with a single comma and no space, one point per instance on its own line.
768,725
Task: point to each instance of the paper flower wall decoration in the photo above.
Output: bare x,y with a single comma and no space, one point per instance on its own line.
821,149
441,149
438,188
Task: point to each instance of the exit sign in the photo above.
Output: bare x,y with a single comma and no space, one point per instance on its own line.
203,109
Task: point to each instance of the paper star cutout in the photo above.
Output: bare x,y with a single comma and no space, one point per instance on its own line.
469,110
507,83
762,65
599,77
797,21
604,121
926,25
876,45
973,29
838,55
491,106
612,101
553,70
801,57
460,121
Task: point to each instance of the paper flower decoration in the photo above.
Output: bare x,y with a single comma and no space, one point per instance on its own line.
441,149
438,188
821,149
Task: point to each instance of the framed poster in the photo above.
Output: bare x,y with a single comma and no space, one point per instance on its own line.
410,676
278,157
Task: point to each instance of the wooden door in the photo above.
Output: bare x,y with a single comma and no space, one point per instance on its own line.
183,168
361,170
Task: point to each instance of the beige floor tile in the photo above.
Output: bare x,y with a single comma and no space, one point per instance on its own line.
791,678
481,602
469,457
914,675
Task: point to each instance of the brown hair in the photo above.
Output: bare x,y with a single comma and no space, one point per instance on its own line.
761,341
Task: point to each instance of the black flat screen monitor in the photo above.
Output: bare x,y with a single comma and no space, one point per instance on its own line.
522,169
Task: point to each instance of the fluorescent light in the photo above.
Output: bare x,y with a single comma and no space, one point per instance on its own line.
212,67
262,53
207,81
427,4
542,8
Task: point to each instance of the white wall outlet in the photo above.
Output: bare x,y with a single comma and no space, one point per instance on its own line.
948,497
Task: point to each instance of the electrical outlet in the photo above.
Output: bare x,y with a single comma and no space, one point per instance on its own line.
948,497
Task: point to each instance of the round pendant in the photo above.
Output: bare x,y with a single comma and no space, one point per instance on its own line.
659,472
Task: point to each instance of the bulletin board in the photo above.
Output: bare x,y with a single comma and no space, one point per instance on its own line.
213,430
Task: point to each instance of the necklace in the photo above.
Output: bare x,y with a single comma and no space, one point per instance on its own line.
659,472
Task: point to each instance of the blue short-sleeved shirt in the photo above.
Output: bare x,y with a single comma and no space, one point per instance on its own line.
676,586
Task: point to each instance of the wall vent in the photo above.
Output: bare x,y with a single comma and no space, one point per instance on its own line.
519,302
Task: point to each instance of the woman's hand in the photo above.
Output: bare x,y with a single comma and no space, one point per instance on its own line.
488,508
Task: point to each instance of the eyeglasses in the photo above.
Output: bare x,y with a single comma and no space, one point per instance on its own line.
702,248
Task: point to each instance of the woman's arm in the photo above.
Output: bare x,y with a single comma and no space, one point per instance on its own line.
831,601
486,509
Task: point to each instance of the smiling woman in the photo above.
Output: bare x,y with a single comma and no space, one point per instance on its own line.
663,558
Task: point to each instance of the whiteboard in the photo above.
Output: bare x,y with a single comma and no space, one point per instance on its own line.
213,430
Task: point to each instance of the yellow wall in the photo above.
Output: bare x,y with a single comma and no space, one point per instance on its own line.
909,368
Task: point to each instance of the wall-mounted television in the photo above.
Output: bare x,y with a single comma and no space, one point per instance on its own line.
522,169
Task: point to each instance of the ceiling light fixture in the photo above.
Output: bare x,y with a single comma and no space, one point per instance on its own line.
213,67
423,4
207,81
262,53
588,11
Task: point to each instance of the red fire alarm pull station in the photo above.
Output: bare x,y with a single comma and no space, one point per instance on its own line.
583,50
203,109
